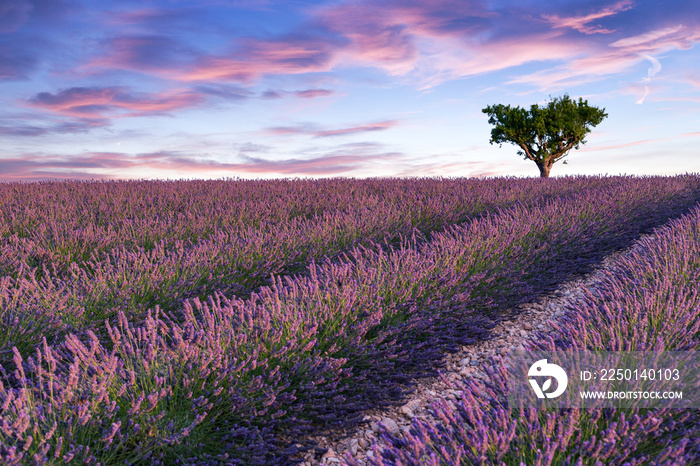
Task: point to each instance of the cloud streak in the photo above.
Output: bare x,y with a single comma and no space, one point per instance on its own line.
314,93
105,165
655,68
99,103
311,130
35,167
581,23
28,130
288,55
618,57
303,94
332,164
431,42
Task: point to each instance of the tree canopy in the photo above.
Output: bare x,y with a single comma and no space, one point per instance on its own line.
544,134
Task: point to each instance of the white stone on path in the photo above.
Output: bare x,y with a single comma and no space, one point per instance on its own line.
391,425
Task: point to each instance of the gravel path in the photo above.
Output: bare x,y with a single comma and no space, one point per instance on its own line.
468,362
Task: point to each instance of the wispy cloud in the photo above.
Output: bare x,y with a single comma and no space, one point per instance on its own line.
291,54
112,102
390,35
693,79
36,166
429,42
581,23
444,40
225,91
620,56
679,37
379,126
655,68
314,131
18,129
402,36
105,165
303,94
313,93
332,164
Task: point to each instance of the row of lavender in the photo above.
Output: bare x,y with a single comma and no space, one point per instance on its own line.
242,379
69,221
73,254
649,302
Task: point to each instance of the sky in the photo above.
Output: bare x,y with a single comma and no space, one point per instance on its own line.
175,89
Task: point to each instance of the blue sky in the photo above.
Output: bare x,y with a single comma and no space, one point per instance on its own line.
266,89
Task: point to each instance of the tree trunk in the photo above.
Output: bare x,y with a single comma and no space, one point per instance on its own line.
544,167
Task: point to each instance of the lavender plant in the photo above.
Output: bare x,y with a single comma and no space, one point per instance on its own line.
132,365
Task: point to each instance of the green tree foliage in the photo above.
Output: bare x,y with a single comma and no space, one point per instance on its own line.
545,134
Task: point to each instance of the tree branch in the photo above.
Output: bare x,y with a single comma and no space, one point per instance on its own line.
528,151
562,150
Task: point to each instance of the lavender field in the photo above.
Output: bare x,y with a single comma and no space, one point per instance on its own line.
226,322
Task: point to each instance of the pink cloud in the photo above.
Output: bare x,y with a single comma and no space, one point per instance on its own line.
380,126
580,70
429,42
392,34
461,61
434,42
332,164
676,37
104,165
166,57
22,129
110,102
387,35
319,133
313,93
446,39
617,57
257,58
374,38
580,23
304,94
693,80
34,167
438,18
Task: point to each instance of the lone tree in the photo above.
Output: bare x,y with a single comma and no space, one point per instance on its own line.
545,134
